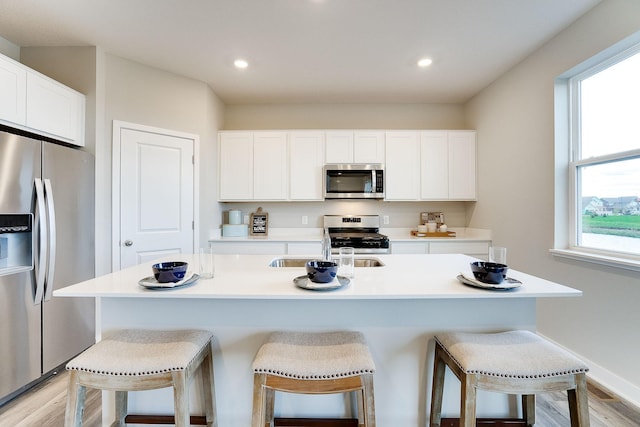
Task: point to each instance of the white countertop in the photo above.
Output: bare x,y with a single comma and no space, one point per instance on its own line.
394,234
250,277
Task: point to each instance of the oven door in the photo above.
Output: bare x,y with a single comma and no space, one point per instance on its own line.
353,182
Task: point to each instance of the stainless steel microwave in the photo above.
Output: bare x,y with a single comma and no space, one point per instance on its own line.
354,181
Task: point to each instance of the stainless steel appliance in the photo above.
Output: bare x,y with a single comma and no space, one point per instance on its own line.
354,181
360,232
46,242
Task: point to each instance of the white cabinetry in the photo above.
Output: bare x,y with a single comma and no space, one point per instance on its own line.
448,165
55,109
270,166
36,103
402,168
306,159
462,165
479,249
355,147
13,87
235,159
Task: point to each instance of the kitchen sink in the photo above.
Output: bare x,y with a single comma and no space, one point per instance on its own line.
300,262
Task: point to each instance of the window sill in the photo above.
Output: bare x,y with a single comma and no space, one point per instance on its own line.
609,261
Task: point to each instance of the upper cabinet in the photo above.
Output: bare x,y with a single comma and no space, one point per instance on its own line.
235,171
288,165
253,166
36,103
306,159
448,160
402,168
13,87
355,147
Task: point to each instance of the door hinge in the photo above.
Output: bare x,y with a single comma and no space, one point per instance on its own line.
193,225
193,159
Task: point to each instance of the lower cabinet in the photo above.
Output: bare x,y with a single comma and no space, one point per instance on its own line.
248,248
479,249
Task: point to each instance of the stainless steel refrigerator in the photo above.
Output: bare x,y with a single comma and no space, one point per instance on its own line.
46,242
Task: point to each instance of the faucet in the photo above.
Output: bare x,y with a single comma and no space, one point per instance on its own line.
326,245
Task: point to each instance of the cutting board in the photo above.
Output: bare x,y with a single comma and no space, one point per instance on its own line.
434,234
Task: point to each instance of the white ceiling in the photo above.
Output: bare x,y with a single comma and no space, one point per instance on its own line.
306,51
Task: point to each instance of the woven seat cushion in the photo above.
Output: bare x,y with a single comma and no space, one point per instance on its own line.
322,355
512,354
141,352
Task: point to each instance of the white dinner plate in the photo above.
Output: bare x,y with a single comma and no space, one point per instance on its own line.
151,282
507,284
337,283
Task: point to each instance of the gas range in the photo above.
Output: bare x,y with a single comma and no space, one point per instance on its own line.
360,232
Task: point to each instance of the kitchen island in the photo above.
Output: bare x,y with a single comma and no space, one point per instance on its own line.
398,307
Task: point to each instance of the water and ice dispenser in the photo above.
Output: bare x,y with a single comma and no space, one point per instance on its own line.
16,243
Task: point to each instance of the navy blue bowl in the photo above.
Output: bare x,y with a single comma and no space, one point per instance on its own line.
321,271
489,272
172,271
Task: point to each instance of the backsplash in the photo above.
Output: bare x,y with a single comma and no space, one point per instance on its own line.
400,214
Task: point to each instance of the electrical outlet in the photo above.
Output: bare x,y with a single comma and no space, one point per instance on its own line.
385,219
305,220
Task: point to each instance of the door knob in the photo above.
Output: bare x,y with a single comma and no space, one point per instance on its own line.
128,243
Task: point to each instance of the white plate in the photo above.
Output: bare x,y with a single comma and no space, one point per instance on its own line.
337,283
151,282
507,284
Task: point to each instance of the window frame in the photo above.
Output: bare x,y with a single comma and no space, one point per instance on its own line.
568,162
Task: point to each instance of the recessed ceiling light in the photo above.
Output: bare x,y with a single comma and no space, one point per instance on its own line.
240,63
425,62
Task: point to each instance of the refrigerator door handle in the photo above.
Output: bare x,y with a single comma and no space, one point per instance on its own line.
43,234
51,213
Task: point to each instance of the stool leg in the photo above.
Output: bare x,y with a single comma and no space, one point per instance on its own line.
468,401
368,401
529,409
208,386
360,408
181,399
75,401
122,407
579,403
437,388
259,400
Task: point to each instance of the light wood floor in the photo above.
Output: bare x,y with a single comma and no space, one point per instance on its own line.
44,407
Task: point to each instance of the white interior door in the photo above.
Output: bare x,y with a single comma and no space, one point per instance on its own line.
156,195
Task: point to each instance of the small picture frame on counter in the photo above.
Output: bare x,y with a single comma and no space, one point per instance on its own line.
259,224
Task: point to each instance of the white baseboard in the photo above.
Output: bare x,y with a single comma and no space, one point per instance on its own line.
610,381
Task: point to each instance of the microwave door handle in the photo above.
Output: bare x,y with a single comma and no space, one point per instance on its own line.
373,181
43,242
51,213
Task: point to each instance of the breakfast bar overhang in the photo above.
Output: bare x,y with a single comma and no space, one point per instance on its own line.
398,307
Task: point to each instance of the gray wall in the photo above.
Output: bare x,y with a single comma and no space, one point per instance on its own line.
515,122
148,96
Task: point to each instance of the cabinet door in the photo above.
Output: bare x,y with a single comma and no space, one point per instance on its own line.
434,160
339,147
306,158
402,168
409,248
55,109
235,159
270,166
13,87
462,165
368,147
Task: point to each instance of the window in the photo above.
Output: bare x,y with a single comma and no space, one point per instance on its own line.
604,162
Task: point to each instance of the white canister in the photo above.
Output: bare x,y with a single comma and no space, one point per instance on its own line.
235,217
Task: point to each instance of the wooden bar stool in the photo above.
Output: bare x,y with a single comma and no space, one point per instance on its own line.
313,363
134,360
514,362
